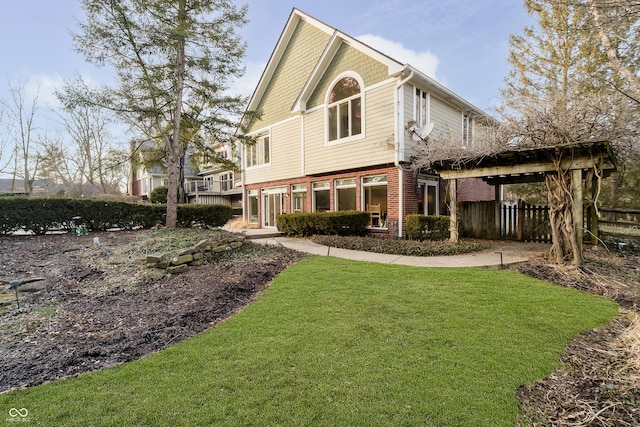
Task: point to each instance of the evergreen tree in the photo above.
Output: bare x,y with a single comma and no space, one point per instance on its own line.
174,60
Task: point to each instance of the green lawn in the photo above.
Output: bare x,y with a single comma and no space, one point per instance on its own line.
334,342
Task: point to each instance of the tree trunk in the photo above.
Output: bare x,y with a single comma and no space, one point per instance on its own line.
612,55
564,245
175,145
453,211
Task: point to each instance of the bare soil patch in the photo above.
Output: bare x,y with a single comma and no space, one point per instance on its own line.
102,307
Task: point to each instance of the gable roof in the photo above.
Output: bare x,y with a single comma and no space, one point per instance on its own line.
395,68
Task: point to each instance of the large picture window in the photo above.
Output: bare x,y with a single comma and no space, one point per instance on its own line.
374,194
321,196
345,109
345,194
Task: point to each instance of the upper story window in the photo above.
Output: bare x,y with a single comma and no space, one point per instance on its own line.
260,152
421,113
467,130
345,109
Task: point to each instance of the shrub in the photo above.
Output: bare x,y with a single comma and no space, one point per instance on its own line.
344,223
399,246
427,227
159,195
205,215
41,214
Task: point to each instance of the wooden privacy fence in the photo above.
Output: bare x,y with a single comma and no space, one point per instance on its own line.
505,220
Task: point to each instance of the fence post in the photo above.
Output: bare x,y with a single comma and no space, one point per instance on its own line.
520,218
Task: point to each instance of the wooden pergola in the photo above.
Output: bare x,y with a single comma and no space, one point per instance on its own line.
583,160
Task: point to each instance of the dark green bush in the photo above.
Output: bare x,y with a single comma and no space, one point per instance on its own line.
427,227
344,223
159,194
205,215
42,214
399,246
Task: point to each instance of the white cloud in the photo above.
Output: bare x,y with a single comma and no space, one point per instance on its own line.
44,87
424,61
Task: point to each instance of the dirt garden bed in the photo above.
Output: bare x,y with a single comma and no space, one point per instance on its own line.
102,306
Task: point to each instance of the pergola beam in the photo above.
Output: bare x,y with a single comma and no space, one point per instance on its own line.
521,169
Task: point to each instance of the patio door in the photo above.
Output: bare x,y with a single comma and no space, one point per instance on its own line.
272,205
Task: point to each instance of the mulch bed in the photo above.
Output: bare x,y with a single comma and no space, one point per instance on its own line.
96,313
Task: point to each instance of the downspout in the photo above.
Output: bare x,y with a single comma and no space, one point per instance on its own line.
245,207
400,131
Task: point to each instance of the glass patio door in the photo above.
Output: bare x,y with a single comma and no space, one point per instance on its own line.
273,204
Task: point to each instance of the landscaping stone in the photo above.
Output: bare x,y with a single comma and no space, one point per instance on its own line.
203,251
202,245
182,259
177,269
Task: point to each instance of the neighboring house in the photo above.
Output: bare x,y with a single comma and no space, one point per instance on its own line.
334,133
144,180
40,187
217,185
206,185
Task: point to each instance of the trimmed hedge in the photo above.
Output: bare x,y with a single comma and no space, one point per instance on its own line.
42,214
205,215
344,223
427,227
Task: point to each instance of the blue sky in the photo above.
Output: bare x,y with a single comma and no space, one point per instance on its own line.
462,43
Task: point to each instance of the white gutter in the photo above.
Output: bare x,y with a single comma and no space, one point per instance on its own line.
400,131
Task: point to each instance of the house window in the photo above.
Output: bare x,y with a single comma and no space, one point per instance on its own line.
226,181
467,130
345,109
298,197
374,195
260,152
345,194
252,196
428,198
421,113
321,196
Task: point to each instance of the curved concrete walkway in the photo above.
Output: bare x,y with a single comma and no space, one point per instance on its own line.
501,253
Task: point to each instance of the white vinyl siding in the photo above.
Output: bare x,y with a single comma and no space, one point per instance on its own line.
408,111
447,122
286,154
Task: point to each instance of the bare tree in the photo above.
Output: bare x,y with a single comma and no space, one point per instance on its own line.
20,116
88,128
7,149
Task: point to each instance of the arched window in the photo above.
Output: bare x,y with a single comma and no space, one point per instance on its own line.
345,109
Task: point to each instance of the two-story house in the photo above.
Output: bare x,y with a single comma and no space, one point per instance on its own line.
336,130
